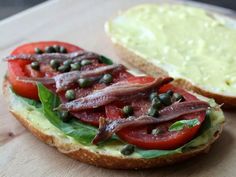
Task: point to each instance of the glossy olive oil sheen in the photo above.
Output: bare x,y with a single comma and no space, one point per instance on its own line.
187,42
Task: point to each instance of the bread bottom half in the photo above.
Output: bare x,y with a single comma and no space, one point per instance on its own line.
99,157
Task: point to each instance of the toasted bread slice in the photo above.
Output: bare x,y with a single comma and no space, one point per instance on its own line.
136,54
151,69
91,154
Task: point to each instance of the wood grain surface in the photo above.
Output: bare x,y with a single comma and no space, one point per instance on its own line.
81,22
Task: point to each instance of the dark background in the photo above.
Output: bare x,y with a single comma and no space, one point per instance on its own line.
10,7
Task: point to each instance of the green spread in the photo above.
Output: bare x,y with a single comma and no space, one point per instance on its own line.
187,42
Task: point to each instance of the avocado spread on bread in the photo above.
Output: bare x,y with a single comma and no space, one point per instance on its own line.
186,42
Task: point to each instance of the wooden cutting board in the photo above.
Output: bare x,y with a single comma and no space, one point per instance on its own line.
81,22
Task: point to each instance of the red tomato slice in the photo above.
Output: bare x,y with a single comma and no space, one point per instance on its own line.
140,104
90,117
142,137
18,68
186,95
114,111
141,79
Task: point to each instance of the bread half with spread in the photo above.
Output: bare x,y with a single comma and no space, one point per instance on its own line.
194,46
99,113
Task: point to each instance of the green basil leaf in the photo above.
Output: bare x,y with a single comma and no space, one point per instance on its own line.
156,153
179,125
76,129
29,101
105,60
206,123
81,132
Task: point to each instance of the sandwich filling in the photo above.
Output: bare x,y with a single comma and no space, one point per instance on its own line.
99,104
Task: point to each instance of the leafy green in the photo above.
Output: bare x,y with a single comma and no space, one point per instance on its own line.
81,132
207,122
156,153
105,60
76,129
31,102
181,124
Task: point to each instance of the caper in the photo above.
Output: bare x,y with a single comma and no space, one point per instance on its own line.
49,49
152,112
64,68
70,95
178,97
170,92
127,149
84,82
208,113
165,99
156,103
54,64
105,60
38,50
35,65
127,110
85,62
107,78
63,49
65,116
67,62
153,95
75,66
56,48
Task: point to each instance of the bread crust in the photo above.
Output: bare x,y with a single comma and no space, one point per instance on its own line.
151,69
102,160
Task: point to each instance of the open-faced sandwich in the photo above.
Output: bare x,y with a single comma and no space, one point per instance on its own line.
195,47
98,112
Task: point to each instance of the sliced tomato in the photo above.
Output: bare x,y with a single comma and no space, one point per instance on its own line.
186,95
139,104
142,136
18,68
91,117
141,79
113,111
29,47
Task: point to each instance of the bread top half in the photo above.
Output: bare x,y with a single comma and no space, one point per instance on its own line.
186,42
